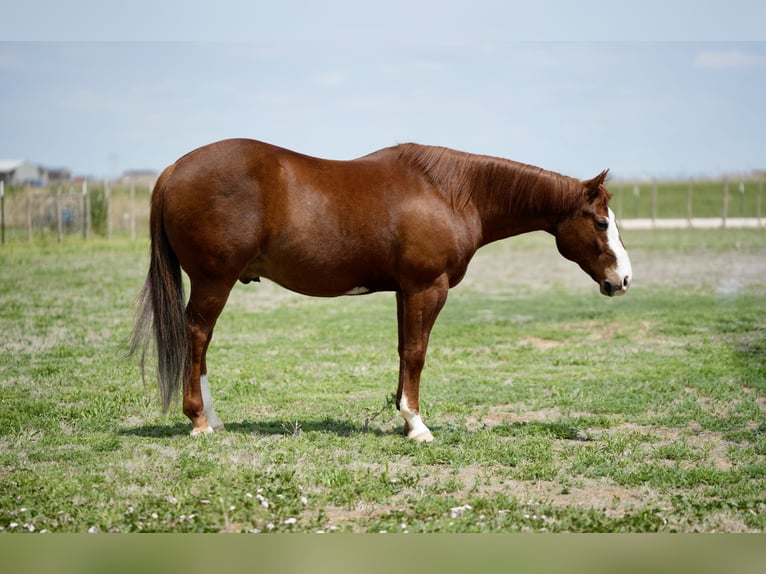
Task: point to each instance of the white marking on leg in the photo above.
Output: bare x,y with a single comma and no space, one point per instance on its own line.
623,268
358,291
418,430
207,403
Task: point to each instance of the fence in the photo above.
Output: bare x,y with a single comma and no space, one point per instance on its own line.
110,210
701,203
84,209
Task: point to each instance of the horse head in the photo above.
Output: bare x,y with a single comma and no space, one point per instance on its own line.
589,236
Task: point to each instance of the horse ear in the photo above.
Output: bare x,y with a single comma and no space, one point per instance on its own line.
592,186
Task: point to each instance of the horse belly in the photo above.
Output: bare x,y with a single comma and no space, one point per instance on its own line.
320,271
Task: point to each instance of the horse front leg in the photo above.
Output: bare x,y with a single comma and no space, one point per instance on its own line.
416,315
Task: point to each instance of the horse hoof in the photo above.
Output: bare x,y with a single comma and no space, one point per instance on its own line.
202,430
424,436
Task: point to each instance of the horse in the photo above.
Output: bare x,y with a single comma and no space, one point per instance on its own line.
405,219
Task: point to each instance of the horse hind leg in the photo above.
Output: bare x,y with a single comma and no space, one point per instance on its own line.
206,302
207,397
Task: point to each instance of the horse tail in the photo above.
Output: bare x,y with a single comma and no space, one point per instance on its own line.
161,313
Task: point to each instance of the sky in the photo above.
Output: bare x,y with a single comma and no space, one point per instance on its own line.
572,90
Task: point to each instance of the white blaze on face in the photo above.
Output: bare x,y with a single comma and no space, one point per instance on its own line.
207,402
623,269
417,429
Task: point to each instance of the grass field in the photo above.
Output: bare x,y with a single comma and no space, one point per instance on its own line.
554,409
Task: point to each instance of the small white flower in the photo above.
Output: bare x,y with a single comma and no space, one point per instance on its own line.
30,527
172,499
291,521
248,495
13,525
154,515
458,510
270,526
204,501
304,500
93,529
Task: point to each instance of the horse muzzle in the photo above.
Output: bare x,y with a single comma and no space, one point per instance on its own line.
612,287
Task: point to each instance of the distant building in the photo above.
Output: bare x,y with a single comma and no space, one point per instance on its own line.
58,174
20,172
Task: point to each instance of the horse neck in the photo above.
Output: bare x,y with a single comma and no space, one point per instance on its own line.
509,197
514,198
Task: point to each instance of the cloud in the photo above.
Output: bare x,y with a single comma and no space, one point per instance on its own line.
729,59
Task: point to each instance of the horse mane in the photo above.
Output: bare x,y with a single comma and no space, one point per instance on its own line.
511,186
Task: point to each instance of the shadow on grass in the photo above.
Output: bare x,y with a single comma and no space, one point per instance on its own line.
273,427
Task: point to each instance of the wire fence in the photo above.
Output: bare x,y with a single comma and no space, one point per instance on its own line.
107,210
82,209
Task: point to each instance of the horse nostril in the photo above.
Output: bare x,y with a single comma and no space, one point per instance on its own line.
608,287
626,281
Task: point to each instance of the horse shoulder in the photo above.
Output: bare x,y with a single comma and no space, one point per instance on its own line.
435,239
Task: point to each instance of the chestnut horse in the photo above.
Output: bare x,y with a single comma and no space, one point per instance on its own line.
405,219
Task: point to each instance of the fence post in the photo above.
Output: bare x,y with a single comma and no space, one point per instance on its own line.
29,213
636,198
132,210
725,201
654,202
85,209
741,198
2,209
59,223
108,209
689,202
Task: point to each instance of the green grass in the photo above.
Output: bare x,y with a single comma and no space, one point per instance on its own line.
553,408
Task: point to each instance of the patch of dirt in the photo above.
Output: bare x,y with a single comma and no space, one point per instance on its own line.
539,344
518,413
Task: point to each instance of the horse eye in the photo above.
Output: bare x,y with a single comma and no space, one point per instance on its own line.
602,224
